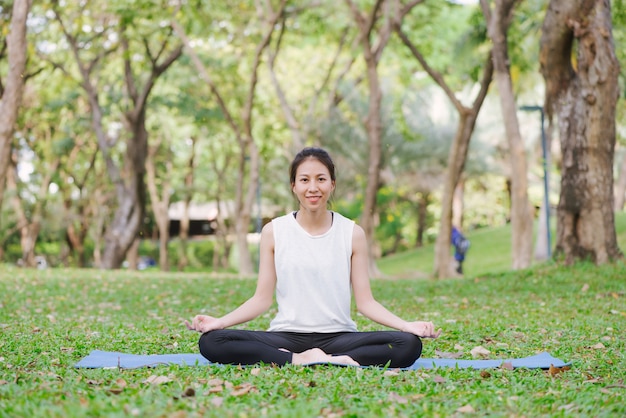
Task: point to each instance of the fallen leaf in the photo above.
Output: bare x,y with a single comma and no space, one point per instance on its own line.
242,389
439,379
392,372
121,383
459,347
157,380
444,354
567,407
467,409
620,385
256,371
553,371
216,389
394,397
507,365
485,374
215,382
116,391
598,346
217,401
585,288
3,382
479,351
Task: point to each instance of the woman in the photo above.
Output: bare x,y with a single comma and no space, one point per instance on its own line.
313,259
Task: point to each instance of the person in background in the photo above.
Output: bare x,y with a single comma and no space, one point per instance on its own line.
314,260
461,245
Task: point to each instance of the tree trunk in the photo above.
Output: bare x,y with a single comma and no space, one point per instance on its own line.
14,85
584,98
160,205
458,204
373,124
246,188
422,214
543,241
457,153
131,196
29,228
129,179
372,53
132,254
498,23
31,223
183,236
456,161
244,201
620,187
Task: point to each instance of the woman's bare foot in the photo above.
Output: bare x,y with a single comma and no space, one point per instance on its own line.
316,355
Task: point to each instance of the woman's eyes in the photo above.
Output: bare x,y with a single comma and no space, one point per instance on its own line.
321,179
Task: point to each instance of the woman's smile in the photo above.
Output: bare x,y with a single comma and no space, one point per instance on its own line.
313,184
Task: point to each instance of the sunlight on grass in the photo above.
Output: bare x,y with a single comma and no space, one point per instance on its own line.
50,319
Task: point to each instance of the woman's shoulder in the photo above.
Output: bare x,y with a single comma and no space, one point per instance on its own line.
344,220
282,219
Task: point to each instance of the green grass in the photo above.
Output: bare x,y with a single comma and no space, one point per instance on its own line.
52,318
490,252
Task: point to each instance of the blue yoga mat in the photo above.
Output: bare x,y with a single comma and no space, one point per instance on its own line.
112,359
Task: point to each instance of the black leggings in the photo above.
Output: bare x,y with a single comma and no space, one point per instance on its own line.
377,348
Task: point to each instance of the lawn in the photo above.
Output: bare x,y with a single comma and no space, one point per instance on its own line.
50,319
490,252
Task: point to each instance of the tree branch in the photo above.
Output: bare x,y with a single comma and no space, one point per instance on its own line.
204,74
434,74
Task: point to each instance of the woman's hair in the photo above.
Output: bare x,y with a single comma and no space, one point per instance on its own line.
311,152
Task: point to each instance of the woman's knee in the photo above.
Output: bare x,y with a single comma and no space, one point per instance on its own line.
412,345
210,343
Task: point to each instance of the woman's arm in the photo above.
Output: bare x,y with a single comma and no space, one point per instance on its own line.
259,302
365,302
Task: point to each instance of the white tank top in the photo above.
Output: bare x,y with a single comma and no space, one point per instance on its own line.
313,290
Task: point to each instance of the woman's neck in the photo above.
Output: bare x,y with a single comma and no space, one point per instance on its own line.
315,223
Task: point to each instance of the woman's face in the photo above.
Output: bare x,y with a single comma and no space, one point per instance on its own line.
313,185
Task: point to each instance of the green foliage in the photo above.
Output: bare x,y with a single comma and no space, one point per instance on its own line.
51,319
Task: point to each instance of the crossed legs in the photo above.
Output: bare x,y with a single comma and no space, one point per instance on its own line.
377,348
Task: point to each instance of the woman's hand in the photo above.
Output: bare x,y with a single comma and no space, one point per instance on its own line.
422,329
204,323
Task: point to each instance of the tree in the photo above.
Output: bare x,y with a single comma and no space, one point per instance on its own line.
11,90
242,128
373,43
31,220
160,200
498,23
458,150
157,56
371,54
580,68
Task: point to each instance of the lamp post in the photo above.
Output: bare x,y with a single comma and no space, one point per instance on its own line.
544,150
